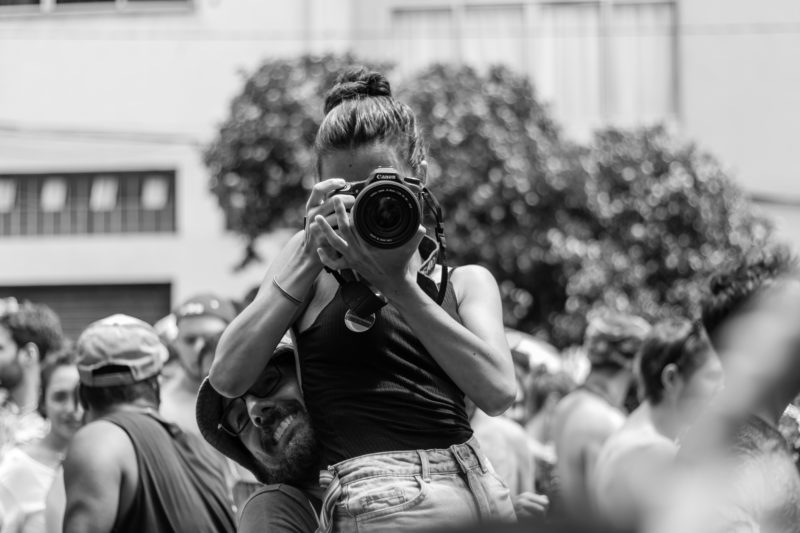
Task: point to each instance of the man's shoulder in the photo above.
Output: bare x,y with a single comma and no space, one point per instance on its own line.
590,414
100,436
278,507
279,493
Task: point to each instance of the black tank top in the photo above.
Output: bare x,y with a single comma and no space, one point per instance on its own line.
379,390
181,485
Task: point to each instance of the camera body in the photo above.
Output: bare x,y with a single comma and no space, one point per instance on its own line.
388,208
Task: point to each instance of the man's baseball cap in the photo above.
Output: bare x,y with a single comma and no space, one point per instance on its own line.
119,350
206,305
208,411
613,338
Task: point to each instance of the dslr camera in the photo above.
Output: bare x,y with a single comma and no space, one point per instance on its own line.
387,210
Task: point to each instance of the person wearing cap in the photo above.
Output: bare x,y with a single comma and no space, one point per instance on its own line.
199,322
586,417
268,431
679,373
128,469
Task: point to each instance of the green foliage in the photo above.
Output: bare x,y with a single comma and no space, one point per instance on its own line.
262,161
635,220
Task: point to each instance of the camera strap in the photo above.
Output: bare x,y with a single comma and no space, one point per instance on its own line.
359,297
436,208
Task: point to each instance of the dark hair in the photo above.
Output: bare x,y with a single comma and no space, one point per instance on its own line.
34,323
675,341
65,356
360,110
729,290
103,398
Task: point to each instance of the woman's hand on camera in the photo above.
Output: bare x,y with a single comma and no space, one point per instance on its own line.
381,268
320,204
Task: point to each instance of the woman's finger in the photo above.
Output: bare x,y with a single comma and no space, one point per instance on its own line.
342,219
320,192
334,240
327,259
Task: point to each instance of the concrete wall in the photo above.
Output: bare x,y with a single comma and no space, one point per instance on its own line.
740,81
96,89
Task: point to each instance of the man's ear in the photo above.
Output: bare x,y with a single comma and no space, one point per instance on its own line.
670,377
29,355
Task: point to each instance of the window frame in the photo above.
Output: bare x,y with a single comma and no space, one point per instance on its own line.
101,7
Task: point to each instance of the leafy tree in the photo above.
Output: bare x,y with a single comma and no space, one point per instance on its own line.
262,161
635,219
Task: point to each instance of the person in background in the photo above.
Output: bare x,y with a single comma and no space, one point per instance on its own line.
543,390
28,332
199,321
28,470
736,471
679,373
506,446
586,417
128,469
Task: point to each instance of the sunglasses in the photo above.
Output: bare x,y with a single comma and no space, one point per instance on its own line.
235,416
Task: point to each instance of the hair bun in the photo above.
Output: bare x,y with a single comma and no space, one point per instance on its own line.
357,83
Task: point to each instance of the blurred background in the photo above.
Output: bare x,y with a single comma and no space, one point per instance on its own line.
592,152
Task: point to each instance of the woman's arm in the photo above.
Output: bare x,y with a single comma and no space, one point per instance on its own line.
474,354
248,342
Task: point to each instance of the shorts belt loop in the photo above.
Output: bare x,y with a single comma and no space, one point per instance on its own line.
332,493
476,449
426,465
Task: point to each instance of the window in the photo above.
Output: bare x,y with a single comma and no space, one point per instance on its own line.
104,193
604,61
71,6
8,195
54,195
423,37
494,34
73,204
155,192
597,62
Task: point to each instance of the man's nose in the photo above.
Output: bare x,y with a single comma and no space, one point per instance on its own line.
258,409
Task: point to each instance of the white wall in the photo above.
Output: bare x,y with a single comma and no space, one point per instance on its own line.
199,257
740,68
93,89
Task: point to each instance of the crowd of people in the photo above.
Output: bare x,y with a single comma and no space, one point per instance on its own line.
294,410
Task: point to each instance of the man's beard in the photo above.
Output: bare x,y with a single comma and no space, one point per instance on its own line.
11,374
298,461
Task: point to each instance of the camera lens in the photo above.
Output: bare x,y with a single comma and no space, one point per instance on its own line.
387,214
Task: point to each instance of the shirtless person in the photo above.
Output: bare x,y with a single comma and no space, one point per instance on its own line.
585,418
679,373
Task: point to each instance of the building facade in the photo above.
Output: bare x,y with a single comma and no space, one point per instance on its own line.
105,106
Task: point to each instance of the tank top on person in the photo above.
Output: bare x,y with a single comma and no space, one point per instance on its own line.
379,390
181,486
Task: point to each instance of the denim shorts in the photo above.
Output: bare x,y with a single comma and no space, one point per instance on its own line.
413,490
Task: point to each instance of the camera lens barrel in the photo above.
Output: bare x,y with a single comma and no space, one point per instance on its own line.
386,214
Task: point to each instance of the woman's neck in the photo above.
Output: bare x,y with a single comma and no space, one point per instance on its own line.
26,395
55,443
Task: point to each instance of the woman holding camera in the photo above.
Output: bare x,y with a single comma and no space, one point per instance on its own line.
387,403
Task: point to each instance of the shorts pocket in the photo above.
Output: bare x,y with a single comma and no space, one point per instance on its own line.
384,495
